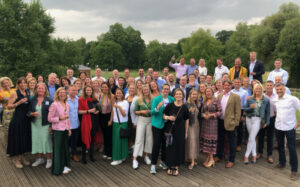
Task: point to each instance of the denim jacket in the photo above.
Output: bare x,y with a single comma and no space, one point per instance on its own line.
45,109
264,110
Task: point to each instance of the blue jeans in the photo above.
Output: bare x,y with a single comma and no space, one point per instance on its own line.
269,130
221,139
291,143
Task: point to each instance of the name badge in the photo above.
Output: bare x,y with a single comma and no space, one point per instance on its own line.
47,103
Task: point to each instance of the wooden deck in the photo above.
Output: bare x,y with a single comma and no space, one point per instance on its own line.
101,173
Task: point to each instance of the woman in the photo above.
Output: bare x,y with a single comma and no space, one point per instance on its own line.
112,85
130,81
211,110
78,84
177,116
61,128
88,81
257,115
19,132
106,102
98,136
148,79
143,139
202,69
132,117
192,142
40,78
120,119
65,82
31,87
96,88
5,93
82,76
138,84
87,107
38,111
219,86
154,89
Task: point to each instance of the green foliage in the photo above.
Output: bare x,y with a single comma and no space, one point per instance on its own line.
223,36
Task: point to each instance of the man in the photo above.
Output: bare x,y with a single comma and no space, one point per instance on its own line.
237,71
126,74
158,123
182,85
74,121
141,75
278,80
159,82
171,82
52,86
98,73
209,80
230,118
116,76
246,86
70,74
202,79
165,74
237,83
150,72
255,68
180,68
269,130
192,82
286,107
220,69
192,67
196,72
278,71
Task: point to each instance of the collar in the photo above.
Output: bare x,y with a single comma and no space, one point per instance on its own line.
278,70
227,94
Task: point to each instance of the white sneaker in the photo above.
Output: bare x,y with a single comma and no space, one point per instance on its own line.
49,163
147,160
116,162
135,164
104,156
108,158
38,161
66,170
153,169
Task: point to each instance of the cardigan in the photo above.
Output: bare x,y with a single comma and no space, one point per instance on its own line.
45,109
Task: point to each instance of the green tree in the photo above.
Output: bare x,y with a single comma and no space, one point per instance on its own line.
223,36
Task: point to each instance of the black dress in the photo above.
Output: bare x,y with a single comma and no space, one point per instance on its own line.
19,132
175,154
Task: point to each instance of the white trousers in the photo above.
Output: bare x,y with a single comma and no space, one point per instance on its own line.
143,137
253,126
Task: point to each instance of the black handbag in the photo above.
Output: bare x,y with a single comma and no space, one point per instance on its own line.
124,132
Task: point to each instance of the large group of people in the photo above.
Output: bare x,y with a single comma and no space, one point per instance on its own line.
151,115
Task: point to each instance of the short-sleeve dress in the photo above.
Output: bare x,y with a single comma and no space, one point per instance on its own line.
175,154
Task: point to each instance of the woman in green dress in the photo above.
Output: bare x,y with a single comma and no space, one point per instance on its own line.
40,132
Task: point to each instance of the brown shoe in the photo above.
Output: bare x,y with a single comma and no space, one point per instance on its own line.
25,161
75,158
238,149
279,166
293,176
270,160
217,159
17,163
259,156
229,165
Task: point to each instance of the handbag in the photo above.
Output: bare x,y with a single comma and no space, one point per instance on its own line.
124,132
169,135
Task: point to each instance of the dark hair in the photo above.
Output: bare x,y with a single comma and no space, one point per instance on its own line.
228,81
64,78
119,89
82,72
109,83
192,75
20,80
279,84
269,81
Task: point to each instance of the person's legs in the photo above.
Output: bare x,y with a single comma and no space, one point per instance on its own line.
149,137
232,145
139,138
280,143
260,143
249,122
270,136
254,132
221,138
240,133
291,143
156,145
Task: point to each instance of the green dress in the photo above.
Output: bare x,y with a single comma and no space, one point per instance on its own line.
41,140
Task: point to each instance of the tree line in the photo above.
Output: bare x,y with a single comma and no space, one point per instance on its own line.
26,44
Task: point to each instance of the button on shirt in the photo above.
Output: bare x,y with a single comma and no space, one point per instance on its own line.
251,67
243,96
281,72
190,69
73,112
179,69
219,71
224,101
271,99
286,108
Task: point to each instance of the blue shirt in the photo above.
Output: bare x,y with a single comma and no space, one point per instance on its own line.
51,91
73,112
243,95
195,87
190,69
160,82
281,72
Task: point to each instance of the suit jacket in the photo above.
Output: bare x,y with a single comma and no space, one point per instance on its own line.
187,91
232,114
259,69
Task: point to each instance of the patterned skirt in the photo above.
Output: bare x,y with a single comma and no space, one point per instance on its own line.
209,136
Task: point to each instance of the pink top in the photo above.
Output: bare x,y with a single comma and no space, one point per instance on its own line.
56,110
179,69
224,101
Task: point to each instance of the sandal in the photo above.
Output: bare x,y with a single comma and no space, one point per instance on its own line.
170,171
175,172
191,166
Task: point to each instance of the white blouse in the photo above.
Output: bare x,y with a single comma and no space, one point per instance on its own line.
202,71
125,106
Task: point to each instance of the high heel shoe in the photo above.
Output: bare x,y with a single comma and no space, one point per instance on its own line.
246,160
211,163
191,166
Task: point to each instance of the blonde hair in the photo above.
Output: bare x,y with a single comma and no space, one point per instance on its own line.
141,95
212,91
8,79
254,88
46,89
31,79
57,92
189,100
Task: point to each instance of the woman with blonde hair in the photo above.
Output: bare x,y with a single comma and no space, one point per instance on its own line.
61,128
192,142
211,110
31,87
257,116
143,139
138,84
154,89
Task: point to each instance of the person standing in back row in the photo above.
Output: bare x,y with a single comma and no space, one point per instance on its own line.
180,68
255,68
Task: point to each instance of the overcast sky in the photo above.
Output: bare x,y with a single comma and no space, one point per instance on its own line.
164,20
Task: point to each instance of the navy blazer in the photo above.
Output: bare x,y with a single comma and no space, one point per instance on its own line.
187,91
45,109
259,69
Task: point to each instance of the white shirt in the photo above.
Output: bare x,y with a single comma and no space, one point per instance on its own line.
172,87
125,106
224,101
143,78
286,108
202,70
251,67
281,72
220,71
97,78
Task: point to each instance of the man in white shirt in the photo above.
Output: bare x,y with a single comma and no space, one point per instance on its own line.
220,69
98,73
278,80
70,73
150,72
165,74
286,107
141,75
171,82
116,76
278,71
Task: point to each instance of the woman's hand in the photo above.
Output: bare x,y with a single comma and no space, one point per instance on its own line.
63,117
50,130
160,104
171,118
70,132
109,123
253,105
265,125
93,110
34,114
